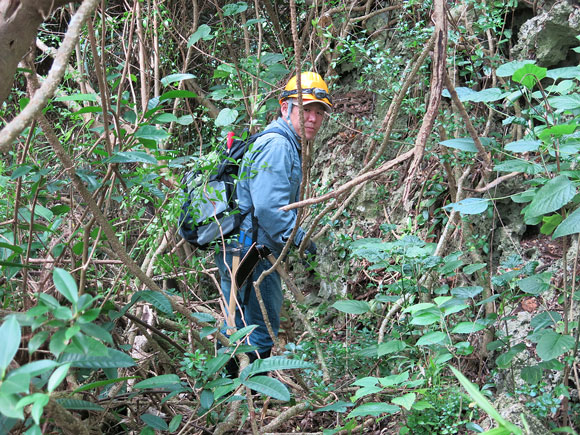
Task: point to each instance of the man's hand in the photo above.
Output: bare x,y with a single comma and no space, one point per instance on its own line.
310,249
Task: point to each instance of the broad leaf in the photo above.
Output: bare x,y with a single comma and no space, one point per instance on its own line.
154,421
531,374
57,377
570,225
202,32
552,345
391,346
529,75
374,408
10,333
79,405
466,292
226,117
406,401
339,406
469,206
268,386
467,327
66,285
161,381
463,144
431,338
150,132
275,363
508,69
114,359
523,146
554,195
172,78
157,299
352,307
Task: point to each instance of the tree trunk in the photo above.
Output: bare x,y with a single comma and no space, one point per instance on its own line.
19,21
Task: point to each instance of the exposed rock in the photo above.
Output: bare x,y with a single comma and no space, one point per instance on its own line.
512,410
549,36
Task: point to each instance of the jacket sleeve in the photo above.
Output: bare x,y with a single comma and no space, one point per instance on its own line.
272,187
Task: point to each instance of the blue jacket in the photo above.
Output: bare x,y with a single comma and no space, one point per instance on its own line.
270,178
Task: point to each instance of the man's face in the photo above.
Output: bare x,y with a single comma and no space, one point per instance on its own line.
313,117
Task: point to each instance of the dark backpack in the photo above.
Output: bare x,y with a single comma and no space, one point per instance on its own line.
210,206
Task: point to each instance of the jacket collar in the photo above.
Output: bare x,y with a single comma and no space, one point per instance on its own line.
283,125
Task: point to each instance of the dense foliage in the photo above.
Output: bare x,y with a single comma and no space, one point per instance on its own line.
111,324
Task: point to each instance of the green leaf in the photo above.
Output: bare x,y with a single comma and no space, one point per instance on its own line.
568,72
545,319
431,338
389,381
352,307
79,405
206,399
164,118
275,363
467,327
418,307
466,292
226,117
172,78
114,359
175,422
550,223
555,194
508,69
268,386
77,97
469,205
202,32
552,345
483,403
339,406
535,284
531,374
464,144
177,93
570,225
557,131
15,384
214,364
96,331
471,268
154,421
158,300
391,346
57,377
235,8
150,132
10,333
161,381
406,401
35,368
504,360
241,333
373,408
565,102
66,285
529,75
103,383
523,146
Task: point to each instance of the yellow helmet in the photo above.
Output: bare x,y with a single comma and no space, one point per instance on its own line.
314,89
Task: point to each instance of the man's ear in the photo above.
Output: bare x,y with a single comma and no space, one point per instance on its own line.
284,108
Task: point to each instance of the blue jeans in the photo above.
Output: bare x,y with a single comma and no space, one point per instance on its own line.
271,291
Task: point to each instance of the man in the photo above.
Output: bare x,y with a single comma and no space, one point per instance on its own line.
270,178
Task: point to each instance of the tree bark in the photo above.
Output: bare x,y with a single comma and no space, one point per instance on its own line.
19,21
